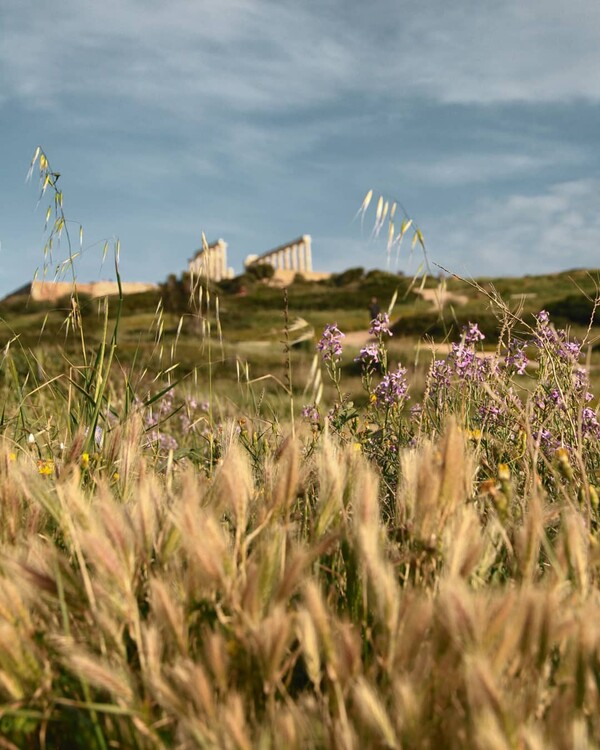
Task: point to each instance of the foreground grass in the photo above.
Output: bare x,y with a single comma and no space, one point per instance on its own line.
275,609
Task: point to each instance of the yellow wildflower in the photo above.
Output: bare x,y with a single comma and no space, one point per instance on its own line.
46,467
503,472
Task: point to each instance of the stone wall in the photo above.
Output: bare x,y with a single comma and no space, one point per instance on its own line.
51,291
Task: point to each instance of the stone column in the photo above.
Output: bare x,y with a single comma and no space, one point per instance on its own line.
295,257
301,259
308,253
224,261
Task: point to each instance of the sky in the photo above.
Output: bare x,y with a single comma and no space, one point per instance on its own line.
261,120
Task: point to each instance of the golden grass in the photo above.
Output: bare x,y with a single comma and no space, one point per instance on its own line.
278,610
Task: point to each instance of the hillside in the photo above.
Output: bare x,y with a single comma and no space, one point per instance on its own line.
244,318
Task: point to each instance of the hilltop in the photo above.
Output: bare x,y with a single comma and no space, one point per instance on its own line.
250,308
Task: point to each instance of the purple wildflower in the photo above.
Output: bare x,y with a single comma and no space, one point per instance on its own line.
490,412
330,344
392,388
440,375
165,405
515,357
545,439
310,413
369,355
462,358
545,333
569,349
165,442
416,411
472,334
546,337
580,379
380,325
581,383
589,423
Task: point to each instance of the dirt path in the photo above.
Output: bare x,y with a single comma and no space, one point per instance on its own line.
440,297
358,339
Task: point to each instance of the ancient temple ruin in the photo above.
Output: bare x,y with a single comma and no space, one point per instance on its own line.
293,256
211,262
289,259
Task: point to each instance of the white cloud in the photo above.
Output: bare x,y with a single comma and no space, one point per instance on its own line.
471,168
552,230
265,56
243,54
498,52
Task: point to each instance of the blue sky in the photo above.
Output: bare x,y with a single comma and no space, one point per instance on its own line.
259,120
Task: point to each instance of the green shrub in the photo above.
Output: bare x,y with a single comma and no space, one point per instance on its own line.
574,308
260,271
348,277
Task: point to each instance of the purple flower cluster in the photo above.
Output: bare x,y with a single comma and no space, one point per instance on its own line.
380,325
369,355
416,411
441,373
490,412
464,363
153,419
471,334
330,344
515,357
589,423
581,383
557,342
392,389
310,413
165,442
189,418
546,440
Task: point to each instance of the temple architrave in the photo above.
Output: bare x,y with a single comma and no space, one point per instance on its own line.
288,260
292,256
